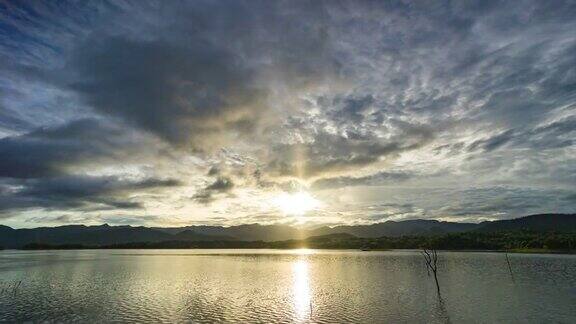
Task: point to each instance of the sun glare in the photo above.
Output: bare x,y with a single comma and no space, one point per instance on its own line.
297,203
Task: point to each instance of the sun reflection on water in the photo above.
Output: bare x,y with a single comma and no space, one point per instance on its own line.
303,251
301,290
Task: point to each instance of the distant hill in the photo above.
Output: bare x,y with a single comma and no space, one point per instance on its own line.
539,223
188,235
256,232
331,237
247,232
400,228
92,235
117,235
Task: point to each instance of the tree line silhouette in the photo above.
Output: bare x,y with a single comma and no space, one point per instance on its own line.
514,240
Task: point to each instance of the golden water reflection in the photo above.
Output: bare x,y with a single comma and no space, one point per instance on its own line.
301,290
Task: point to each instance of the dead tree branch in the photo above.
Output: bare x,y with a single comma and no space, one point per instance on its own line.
431,258
509,267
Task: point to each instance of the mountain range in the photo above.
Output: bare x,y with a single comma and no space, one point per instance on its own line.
108,235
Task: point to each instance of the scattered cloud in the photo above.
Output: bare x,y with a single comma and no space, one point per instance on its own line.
190,111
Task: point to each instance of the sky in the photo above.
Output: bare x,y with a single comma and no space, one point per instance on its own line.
173,113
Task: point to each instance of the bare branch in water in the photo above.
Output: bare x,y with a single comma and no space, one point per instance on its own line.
431,258
509,267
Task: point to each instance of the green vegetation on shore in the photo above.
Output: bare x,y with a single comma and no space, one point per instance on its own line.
518,241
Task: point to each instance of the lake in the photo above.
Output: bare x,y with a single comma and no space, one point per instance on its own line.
295,286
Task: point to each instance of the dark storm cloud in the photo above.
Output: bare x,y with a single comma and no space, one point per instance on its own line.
41,168
50,151
200,78
180,93
80,193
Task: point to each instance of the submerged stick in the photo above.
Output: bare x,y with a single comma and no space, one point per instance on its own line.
509,266
431,258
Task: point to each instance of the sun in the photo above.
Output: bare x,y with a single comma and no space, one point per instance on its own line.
297,203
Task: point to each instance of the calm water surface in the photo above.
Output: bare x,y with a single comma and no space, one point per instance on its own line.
253,286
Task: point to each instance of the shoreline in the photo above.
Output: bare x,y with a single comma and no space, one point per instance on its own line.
512,251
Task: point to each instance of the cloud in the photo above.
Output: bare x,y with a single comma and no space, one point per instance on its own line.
221,184
377,179
353,109
10,122
258,96
493,142
124,219
504,202
190,93
52,151
80,193
211,192
199,83
204,197
329,153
